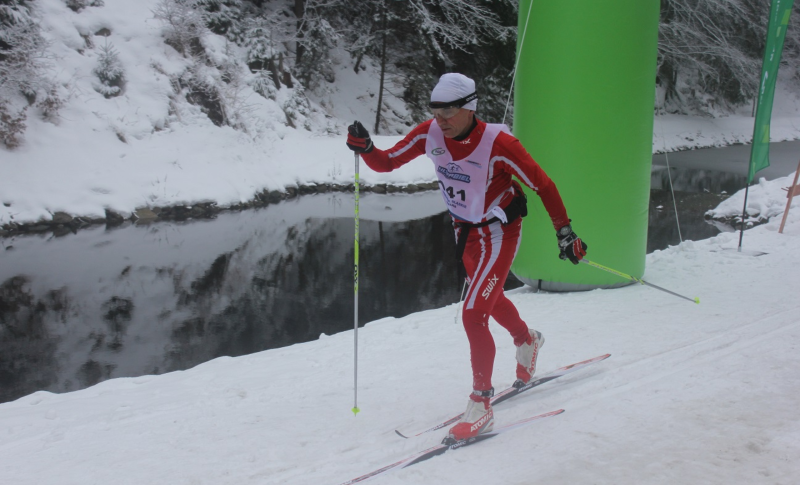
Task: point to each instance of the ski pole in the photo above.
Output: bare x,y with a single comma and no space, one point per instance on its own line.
637,280
355,287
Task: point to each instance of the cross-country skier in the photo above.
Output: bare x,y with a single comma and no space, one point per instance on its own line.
474,162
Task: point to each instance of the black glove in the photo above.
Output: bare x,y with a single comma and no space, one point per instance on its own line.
570,244
358,138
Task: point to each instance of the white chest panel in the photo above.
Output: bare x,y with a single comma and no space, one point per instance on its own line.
463,182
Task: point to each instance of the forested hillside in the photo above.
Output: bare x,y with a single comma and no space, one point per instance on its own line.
286,50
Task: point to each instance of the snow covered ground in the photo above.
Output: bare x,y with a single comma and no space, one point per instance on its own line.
692,393
765,200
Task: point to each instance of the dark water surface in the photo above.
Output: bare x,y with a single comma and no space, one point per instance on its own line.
783,157
82,308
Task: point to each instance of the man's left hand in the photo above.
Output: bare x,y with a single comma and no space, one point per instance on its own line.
570,244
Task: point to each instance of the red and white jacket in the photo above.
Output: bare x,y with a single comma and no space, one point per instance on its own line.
507,157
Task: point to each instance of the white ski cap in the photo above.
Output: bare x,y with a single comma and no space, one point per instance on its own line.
455,87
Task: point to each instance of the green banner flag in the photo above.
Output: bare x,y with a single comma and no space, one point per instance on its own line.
779,15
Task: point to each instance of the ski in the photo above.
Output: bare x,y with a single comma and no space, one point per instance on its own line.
513,391
441,449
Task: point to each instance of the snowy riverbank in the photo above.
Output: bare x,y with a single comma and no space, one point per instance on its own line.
150,148
57,173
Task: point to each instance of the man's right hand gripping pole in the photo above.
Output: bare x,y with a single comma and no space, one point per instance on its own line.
358,138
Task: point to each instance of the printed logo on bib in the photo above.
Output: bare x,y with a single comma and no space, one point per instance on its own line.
453,172
437,151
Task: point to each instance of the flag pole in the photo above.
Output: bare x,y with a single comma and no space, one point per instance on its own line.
744,214
779,13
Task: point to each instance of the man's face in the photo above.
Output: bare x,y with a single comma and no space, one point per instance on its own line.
456,125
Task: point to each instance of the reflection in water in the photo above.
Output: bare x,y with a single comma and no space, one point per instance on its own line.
662,228
734,159
98,304
295,296
694,180
696,191
27,348
83,308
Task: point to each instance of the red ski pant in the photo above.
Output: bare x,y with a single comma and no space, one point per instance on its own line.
488,255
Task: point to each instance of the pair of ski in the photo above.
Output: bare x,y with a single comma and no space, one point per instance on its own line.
497,399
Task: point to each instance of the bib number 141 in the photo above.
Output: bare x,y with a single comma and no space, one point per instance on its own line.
452,193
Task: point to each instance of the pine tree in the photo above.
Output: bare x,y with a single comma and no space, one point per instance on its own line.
265,57
110,72
314,37
223,17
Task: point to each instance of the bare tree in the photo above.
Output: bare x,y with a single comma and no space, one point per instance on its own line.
455,24
23,58
713,48
186,25
23,69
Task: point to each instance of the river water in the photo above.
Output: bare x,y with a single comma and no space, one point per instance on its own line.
133,300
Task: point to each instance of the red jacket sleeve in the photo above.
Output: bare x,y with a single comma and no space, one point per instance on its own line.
407,149
515,160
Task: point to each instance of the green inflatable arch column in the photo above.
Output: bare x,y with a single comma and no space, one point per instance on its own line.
583,107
